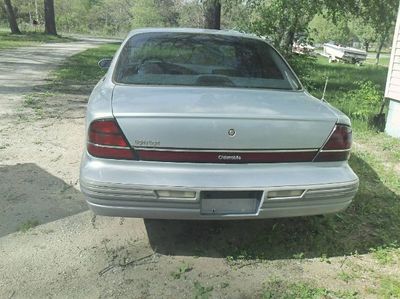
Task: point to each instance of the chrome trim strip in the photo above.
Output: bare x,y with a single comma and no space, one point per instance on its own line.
284,197
223,150
335,151
109,146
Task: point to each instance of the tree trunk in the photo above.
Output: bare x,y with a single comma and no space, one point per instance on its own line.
212,14
12,20
287,42
382,41
49,18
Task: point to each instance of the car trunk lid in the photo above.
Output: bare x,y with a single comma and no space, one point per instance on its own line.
221,120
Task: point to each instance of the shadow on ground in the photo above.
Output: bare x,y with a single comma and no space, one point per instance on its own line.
30,195
372,220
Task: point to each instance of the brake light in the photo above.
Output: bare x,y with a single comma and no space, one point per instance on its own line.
106,140
338,146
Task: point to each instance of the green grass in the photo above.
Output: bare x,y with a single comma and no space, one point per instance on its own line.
184,268
82,67
385,254
390,288
383,61
343,79
202,292
9,41
24,227
285,290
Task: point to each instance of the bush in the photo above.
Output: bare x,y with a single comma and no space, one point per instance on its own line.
364,102
304,67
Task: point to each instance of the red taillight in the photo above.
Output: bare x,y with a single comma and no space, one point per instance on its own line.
338,146
106,140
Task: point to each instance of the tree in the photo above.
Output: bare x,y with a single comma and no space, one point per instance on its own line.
365,34
146,14
190,14
12,20
281,20
324,30
212,14
49,18
168,10
381,16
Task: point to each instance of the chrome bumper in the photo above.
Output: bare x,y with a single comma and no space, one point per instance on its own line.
127,189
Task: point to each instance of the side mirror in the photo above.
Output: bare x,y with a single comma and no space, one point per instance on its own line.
105,63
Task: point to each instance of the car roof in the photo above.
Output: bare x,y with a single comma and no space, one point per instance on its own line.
194,30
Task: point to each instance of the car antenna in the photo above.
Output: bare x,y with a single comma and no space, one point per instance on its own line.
323,94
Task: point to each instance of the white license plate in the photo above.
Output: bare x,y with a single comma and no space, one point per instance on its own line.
220,206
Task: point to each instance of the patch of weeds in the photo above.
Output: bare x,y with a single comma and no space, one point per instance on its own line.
202,292
385,254
37,102
184,268
24,227
389,288
298,256
280,289
324,258
238,257
4,146
224,285
371,96
346,276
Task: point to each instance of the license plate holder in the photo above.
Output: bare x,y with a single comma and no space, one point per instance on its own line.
224,203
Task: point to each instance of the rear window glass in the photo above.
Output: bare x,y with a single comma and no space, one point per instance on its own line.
202,60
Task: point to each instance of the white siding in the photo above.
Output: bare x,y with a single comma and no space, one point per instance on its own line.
393,85
393,79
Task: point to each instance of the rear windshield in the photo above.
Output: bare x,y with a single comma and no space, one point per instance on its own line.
191,59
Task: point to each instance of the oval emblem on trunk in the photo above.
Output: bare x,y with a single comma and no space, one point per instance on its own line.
231,132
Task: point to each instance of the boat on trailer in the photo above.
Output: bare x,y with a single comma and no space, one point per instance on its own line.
346,54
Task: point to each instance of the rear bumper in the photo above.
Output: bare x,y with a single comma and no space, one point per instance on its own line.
126,188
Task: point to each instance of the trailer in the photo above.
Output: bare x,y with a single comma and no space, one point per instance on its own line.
346,54
303,49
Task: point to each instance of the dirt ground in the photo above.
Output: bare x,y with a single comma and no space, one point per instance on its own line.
72,253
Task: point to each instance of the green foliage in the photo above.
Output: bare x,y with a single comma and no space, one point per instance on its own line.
146,14
27,39
324,30
24,227
304,66
184,268
363,102
281,20
82,67
190,14
385,254
390,288
346,276
284,290
202,292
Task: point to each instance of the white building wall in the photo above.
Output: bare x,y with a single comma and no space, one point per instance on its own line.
393,85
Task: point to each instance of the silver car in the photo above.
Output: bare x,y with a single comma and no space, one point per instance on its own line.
203,124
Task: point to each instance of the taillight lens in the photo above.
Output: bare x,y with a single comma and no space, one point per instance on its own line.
338,146
106,140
